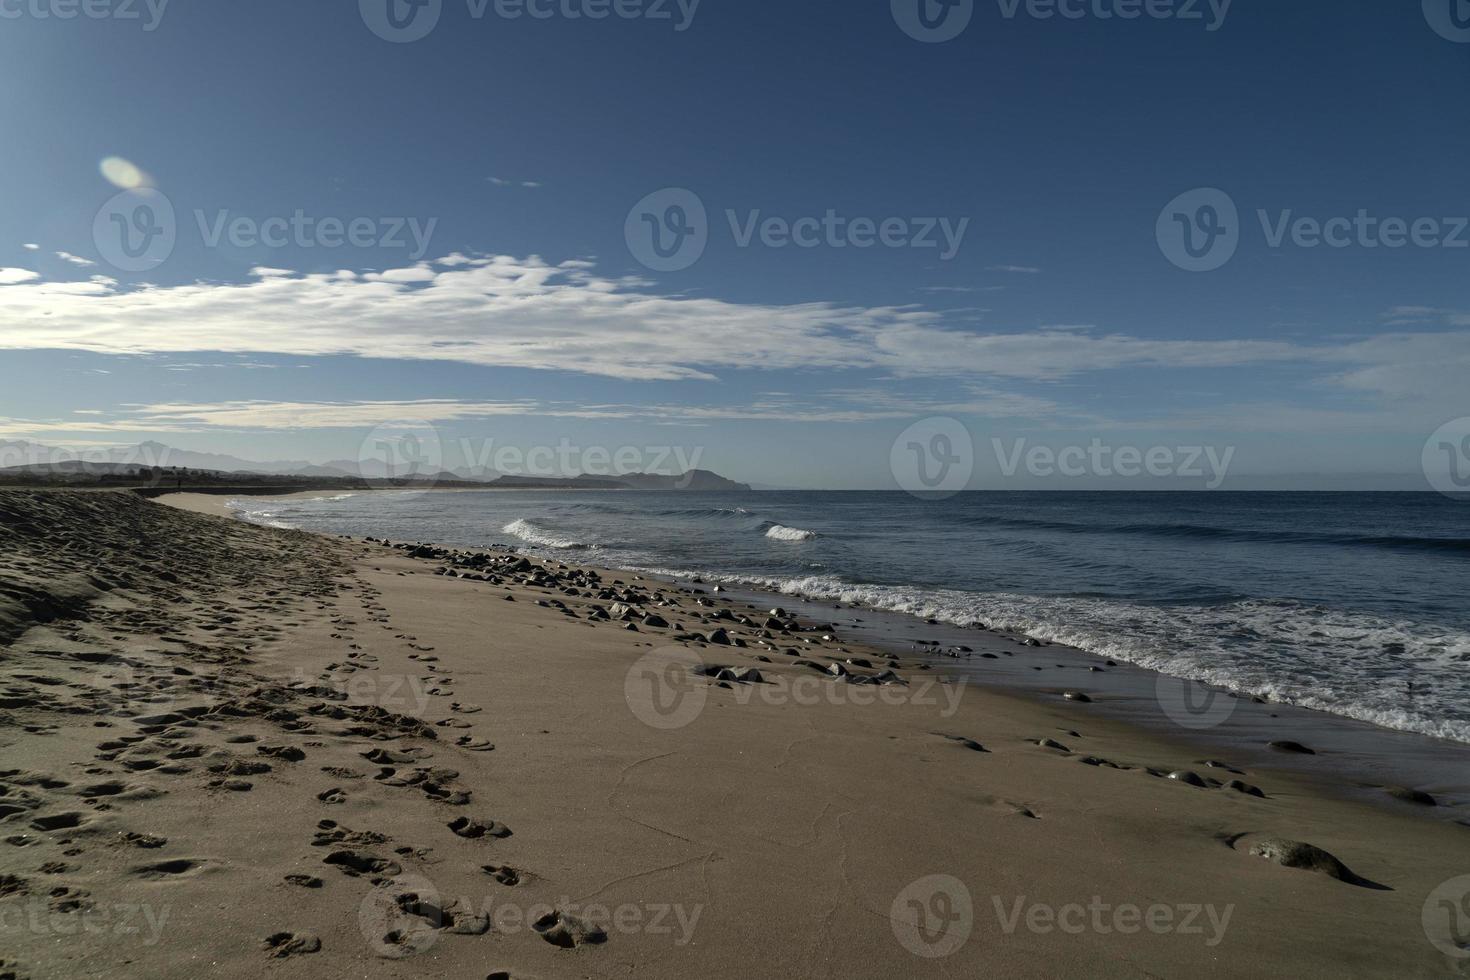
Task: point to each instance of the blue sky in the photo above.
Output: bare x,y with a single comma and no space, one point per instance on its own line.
517,148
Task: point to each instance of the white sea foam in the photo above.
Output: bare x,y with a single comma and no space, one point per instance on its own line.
531,534
1328,660
779,532
254,513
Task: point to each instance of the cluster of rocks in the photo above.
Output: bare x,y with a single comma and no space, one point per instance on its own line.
638,607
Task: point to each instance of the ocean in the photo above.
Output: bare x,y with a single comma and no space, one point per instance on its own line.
1356,604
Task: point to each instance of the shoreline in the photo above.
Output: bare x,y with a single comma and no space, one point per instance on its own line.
316,757
1358,758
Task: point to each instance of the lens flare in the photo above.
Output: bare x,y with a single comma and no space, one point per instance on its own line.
124,173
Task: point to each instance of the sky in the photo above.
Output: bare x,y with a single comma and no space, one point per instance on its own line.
791,241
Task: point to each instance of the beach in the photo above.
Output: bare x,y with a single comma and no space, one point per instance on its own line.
250,751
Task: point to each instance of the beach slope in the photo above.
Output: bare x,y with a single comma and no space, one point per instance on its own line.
238,751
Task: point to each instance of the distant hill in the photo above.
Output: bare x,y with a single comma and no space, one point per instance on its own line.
153,463
694,480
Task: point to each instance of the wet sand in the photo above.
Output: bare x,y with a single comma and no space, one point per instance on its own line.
243,751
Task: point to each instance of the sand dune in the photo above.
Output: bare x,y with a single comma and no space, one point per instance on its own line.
228,750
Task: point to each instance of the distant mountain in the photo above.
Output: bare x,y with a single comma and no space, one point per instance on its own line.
19,458
694,480
35,455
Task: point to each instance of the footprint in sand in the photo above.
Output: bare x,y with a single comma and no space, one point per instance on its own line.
566,930
473,829
283,944
968,743
59,821
474,744
355,864
164,870
303,881
505,874
146,841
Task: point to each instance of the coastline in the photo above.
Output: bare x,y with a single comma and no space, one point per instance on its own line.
859,806
1352,756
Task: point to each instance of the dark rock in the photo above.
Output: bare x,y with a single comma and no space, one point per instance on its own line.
1408,795
1306,857
1286,745
1245,788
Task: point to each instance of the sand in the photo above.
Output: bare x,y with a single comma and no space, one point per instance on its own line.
236,751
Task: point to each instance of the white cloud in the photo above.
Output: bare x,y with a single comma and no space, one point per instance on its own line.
1027,269
75,259
525,313
255,415
31,247
504,311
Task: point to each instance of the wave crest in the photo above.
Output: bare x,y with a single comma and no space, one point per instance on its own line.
531,534
780,532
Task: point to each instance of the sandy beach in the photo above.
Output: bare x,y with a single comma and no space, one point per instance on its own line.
231,750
